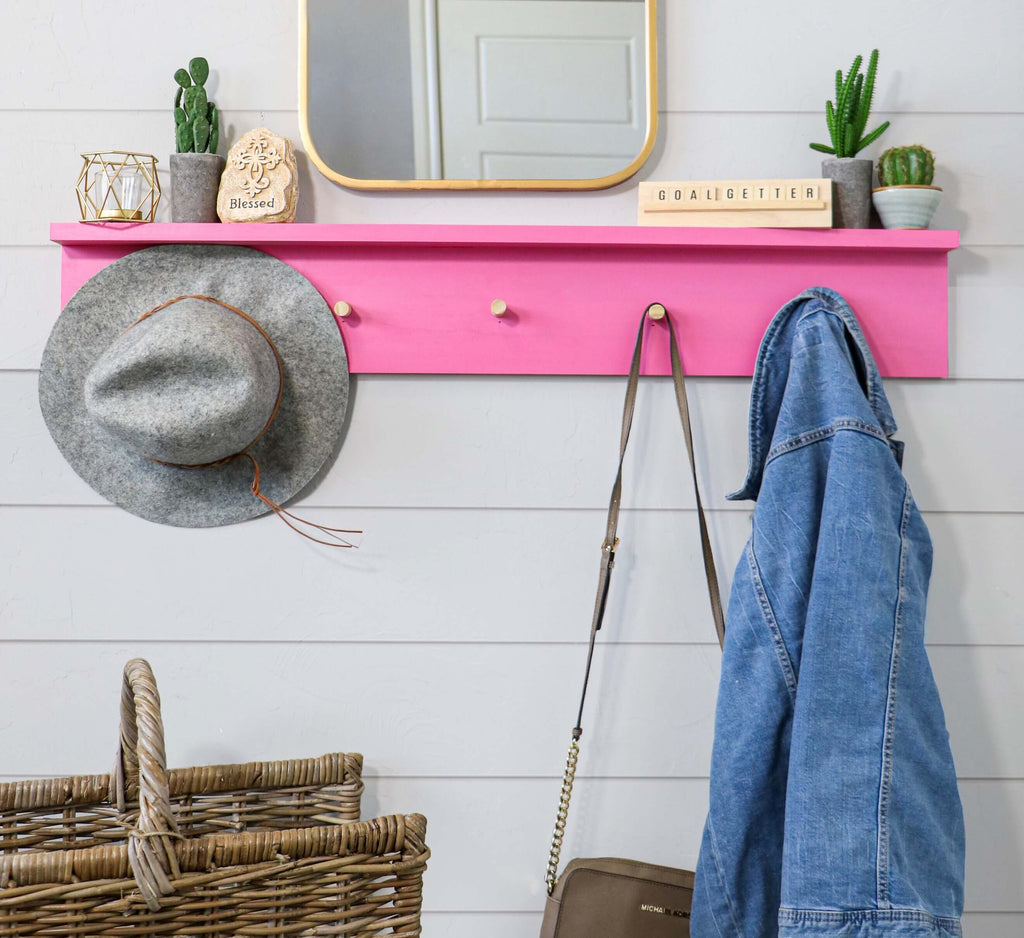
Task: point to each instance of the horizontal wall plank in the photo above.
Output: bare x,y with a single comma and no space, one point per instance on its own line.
975,158
430,709
30,299
518,442
475,924
505,825
489,837
658,821
993,924
48,158
257,67
527,924
436,575
443,575
51,167
976,596
62,57
423,709
732,55
986,328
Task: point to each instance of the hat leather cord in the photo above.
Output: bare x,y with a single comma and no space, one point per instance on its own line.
286,516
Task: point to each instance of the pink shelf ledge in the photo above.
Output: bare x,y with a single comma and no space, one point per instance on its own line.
422,294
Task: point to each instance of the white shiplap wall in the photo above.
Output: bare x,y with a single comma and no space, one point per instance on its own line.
448,649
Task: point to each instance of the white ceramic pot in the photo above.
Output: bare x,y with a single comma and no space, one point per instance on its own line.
906,206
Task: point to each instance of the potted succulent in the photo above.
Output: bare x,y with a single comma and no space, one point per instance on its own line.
847,121
196,167
906,197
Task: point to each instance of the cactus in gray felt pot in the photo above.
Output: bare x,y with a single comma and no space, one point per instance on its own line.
196,120
847,118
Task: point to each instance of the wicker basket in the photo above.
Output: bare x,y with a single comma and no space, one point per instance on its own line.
257,849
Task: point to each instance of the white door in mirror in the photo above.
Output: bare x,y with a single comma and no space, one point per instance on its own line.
537,97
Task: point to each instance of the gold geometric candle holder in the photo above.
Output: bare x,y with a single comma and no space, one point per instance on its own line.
118,186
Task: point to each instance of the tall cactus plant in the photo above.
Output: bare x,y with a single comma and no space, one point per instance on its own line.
848,117
906,166
196,119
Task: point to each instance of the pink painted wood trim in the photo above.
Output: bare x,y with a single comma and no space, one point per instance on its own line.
565,235
422,293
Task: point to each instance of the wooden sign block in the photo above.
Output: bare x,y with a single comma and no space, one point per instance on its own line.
738,203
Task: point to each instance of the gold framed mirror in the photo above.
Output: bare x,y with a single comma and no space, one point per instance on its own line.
478,94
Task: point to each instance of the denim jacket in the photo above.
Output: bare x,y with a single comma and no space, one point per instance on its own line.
834,808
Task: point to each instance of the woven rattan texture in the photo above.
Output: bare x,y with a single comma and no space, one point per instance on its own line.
75,812
358,879
261,849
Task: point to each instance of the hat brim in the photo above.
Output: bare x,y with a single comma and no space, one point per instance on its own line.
308,426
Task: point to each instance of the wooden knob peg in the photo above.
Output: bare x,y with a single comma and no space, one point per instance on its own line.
342,309
499,307
656,311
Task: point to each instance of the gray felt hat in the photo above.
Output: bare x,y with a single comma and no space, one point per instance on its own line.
150,411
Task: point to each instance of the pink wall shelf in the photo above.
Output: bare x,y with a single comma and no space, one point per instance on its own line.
421,295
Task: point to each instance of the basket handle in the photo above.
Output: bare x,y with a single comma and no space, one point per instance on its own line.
141,768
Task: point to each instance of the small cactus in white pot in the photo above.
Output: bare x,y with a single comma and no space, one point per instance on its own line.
906,197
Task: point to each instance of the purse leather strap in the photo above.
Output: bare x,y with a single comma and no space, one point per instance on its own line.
609,546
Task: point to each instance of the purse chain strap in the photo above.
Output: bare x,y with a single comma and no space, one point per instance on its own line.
608,548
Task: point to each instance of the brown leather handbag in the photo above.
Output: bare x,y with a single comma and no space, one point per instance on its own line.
610,897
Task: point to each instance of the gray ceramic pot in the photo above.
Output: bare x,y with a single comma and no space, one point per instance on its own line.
195,179
851,205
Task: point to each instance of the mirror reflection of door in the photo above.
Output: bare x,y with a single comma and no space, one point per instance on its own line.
476,89
539,89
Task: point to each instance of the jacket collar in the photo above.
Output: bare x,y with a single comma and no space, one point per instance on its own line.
771,373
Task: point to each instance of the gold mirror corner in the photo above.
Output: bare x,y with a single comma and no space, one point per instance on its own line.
478,94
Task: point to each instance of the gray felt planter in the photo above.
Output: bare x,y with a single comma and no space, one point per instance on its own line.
195,180
851,207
